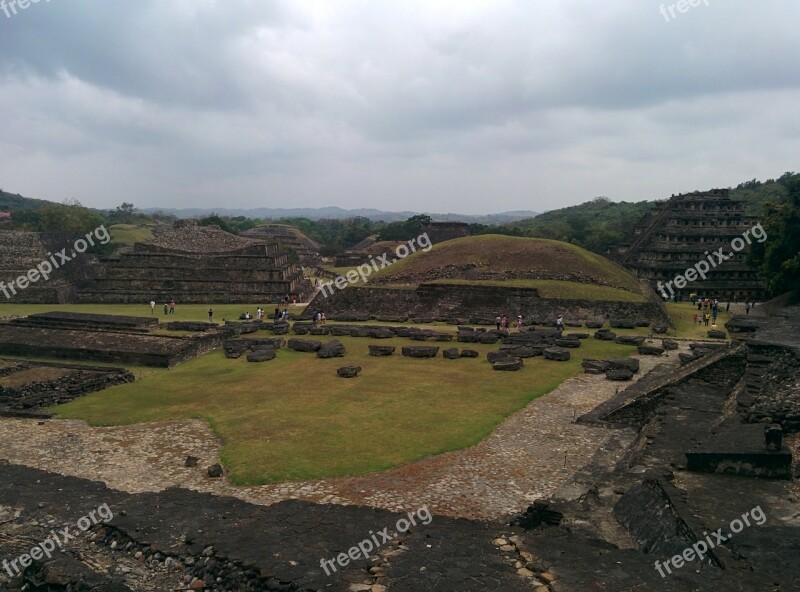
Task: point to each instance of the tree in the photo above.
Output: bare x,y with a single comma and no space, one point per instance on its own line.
215,220
777,259
125,213
403,231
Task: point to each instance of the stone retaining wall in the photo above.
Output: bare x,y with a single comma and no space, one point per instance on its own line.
468,301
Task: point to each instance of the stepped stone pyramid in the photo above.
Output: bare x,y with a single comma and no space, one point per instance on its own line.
194,264
288,237
683,230
23,251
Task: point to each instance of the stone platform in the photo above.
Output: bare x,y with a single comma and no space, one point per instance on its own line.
93,322
26,387
102,338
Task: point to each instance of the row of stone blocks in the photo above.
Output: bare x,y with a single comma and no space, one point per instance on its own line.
532,321
262,350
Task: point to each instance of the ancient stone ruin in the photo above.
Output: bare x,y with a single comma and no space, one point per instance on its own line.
684,230
474,303
192,264
438,232
288,238
102,338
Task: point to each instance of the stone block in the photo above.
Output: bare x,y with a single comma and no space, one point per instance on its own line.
630,339
631,364
508,364
262,355
348,371
332,349
650,350
381,350
304,345
619,374
420,351
559,354
605,335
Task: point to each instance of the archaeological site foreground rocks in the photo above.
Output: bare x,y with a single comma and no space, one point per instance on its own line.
694,440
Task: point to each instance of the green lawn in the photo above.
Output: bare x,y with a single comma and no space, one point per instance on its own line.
183,312
127,234
682,314
294,419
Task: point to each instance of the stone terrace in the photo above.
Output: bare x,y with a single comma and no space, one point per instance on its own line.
194,264
102,338
20,252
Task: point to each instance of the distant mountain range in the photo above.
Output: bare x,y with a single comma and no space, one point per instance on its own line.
340,213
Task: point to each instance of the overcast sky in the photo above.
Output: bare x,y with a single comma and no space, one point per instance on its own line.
457,106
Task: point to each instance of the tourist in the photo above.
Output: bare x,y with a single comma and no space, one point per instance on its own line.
247,316
322,318
746,307
714,316
172,307
277,315
314,317
285,316
294,299
699,304
519,323
706,318
560,323
695,318
497,322
210,315
152,307
504,323
166,308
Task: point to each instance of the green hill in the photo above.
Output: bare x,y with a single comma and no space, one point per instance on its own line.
557,269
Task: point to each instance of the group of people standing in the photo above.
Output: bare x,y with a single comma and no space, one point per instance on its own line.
501,322
169,307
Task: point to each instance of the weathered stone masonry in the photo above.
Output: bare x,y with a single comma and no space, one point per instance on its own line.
473,301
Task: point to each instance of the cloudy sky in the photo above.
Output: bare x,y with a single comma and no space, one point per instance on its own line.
458,105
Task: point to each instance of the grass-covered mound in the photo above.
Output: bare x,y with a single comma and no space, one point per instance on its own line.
557,269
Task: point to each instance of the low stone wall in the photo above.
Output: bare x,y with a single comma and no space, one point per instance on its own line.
104,346
29,399
474,301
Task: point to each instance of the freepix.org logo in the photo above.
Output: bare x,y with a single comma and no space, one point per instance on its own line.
12,7
54,262
365,270
57,540
702,267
